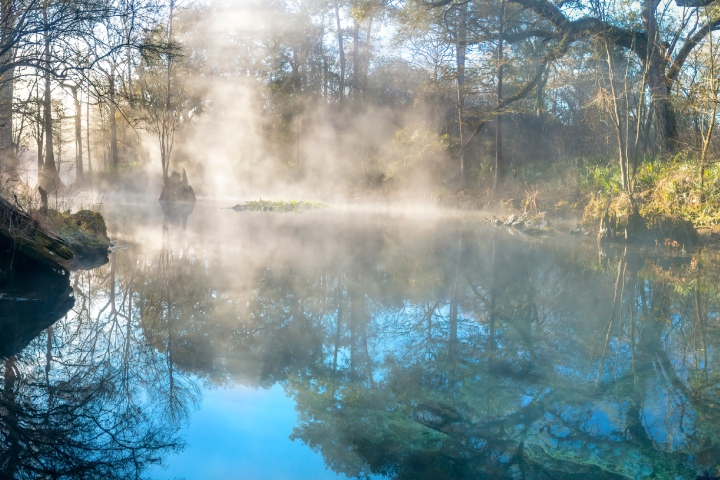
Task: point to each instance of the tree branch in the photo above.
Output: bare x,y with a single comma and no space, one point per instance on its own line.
587,26
523,92
688,47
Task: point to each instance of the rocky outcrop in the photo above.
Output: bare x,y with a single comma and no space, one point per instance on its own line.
526,223
53,239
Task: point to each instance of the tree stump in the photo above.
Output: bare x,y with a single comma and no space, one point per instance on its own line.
43,200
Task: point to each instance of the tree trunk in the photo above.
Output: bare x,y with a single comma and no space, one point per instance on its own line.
7,149
325,77
620,130
50,176
655,64
366,61
78,136
540,95
166,129
664,112
39,135
341,54
460,56
114,159
40,162
499,161
356,62
87,119
707,137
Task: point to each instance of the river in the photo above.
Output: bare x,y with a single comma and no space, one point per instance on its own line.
359,344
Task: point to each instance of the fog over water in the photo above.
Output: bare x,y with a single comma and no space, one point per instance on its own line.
356,344
306,280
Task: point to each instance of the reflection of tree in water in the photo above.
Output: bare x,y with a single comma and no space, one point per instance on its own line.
187,316
449,354
453,356
79,400
512,361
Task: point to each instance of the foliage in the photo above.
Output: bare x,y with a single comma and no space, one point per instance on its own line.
677,191
295,206
604,177
661,187
414,149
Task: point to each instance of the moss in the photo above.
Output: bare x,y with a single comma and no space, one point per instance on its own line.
92,222
278,206
31,239
85,233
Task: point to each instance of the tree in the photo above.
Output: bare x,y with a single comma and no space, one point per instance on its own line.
165,99
662,48
70,412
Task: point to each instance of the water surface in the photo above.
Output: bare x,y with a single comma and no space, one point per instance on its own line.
344,344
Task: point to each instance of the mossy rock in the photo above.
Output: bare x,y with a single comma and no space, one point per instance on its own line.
92,222
31,240
85,233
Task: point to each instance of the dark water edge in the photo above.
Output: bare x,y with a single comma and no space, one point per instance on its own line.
411,346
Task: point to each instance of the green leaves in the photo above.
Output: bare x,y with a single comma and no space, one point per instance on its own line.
278,206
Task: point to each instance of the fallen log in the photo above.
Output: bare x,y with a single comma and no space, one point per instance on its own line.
24,235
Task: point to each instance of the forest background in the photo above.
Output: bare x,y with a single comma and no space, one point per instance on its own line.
556,105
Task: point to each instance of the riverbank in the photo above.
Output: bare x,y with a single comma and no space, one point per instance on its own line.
585,190
59,240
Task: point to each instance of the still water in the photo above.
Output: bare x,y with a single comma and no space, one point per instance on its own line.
334,344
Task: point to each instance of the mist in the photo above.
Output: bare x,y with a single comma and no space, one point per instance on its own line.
253,136
398,239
